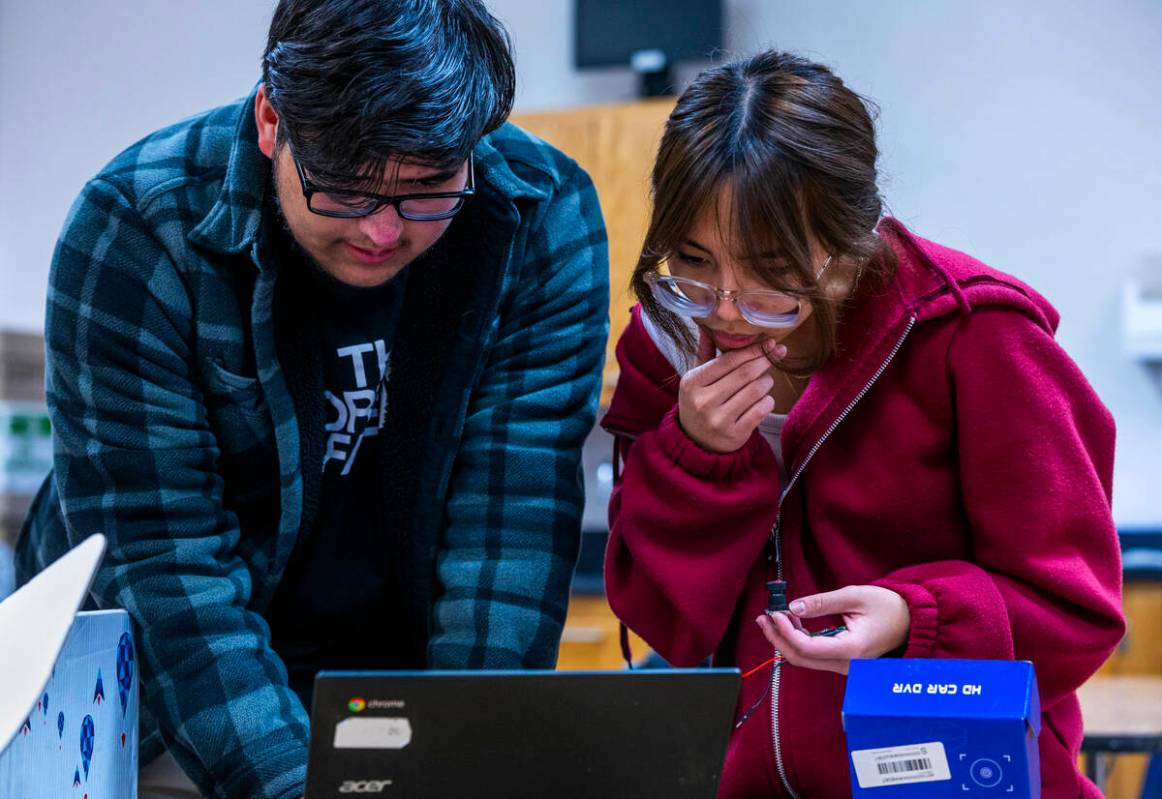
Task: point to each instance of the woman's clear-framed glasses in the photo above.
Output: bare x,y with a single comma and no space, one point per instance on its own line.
692,298
427,207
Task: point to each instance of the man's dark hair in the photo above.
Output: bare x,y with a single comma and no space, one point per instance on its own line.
358,82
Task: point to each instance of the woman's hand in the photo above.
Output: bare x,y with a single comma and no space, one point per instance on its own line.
877,622
722,400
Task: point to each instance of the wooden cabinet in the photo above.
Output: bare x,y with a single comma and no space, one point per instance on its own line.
1140,653
616,145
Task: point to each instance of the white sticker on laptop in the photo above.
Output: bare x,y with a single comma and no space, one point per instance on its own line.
373,732
901,765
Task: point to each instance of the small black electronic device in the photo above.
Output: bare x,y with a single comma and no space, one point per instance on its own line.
520,735
777,596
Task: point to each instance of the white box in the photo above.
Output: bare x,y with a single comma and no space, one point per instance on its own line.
81,737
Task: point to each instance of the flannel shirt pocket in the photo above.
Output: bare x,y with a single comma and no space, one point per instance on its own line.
242,424
229,390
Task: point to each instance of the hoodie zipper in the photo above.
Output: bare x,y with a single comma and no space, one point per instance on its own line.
775,537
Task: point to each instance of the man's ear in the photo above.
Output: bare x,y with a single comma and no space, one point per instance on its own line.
266,120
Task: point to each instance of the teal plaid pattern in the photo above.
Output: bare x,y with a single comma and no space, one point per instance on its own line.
176,434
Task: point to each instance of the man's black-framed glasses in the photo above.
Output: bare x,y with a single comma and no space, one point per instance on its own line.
426,207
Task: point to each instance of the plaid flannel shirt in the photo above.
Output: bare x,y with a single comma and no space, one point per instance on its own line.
176,434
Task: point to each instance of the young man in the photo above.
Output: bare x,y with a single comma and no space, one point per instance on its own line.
320,366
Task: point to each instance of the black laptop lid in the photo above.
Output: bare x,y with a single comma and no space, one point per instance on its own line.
520,735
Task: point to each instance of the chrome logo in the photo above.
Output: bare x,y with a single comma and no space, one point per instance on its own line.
356,704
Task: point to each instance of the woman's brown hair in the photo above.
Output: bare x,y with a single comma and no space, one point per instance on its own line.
797,149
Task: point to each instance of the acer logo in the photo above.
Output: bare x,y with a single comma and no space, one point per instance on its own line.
364,786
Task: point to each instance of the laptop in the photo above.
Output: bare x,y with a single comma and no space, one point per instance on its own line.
520,735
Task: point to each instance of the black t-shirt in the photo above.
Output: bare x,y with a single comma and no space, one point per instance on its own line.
334,607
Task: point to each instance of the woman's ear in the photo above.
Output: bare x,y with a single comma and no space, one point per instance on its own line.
266,120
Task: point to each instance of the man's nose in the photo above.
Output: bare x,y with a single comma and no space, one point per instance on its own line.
384,228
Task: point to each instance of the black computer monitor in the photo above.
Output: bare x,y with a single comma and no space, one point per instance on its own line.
649,35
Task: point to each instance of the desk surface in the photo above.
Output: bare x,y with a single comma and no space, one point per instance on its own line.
1122,714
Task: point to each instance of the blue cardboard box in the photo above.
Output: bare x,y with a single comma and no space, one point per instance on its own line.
80,739
934,728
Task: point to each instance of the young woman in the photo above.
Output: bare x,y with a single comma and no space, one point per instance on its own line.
811,394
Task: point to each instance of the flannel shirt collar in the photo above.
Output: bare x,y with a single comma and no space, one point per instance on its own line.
235,219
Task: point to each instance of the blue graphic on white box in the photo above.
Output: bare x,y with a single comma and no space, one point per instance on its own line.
928,728
88,732
124,669
94,754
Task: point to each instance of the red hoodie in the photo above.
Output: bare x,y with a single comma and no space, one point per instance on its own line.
949,451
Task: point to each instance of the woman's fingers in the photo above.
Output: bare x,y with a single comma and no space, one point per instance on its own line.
721,402
747,395
728,398
801,644
798,647
849,599
719,393
751,418
717,368
877,621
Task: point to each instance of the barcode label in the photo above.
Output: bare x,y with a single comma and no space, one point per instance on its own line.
901,765
897,766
